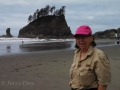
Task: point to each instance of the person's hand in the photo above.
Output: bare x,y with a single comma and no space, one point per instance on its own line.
102,87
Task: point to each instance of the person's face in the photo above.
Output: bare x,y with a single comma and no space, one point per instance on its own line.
83,41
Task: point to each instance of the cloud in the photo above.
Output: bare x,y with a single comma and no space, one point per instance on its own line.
61,2
99,14
2,20
14,2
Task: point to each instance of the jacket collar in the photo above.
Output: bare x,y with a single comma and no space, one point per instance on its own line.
88,53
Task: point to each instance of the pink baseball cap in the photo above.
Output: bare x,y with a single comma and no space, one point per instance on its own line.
84,30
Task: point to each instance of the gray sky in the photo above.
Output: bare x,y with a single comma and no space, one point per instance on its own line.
98,14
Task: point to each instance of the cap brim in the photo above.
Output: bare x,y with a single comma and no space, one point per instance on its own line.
82,34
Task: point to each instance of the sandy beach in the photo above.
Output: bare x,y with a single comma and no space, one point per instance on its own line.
48,70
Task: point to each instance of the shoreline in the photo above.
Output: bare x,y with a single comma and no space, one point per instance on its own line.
17,47
48,70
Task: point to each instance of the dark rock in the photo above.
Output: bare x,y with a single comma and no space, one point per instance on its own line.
8,34
47,27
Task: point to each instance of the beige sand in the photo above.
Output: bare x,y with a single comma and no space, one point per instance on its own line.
48,70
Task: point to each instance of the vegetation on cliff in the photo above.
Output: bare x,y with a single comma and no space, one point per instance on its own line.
47,10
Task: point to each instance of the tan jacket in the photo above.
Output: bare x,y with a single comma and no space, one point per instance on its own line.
91,71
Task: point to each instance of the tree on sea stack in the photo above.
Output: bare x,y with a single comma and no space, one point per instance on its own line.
30,18
46,11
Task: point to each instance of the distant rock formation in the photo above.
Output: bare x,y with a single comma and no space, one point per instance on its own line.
105,34
8,34
47,27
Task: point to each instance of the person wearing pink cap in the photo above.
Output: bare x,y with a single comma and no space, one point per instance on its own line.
90,69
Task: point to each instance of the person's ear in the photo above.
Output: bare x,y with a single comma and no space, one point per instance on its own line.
92,38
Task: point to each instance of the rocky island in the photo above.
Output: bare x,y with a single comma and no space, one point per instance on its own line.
44,25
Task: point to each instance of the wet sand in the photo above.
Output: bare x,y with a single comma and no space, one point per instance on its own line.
48,70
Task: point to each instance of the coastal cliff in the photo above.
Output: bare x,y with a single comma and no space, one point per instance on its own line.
109,33
47,27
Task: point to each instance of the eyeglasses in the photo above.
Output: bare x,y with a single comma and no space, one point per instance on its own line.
82,36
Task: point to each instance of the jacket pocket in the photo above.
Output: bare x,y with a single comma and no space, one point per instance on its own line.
76,81
87,77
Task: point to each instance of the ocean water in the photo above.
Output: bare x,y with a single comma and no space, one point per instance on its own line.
24,45
20,45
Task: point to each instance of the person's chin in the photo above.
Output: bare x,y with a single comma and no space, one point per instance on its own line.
82,46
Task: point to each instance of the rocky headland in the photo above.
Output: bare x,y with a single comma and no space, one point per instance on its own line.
109,33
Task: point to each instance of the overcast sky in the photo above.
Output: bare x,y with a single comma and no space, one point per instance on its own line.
98,14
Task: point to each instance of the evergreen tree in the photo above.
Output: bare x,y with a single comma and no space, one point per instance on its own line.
51,10
63,9
34,16
45,12
56,12
37,11
30,18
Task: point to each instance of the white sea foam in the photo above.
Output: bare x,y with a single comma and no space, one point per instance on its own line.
32,40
